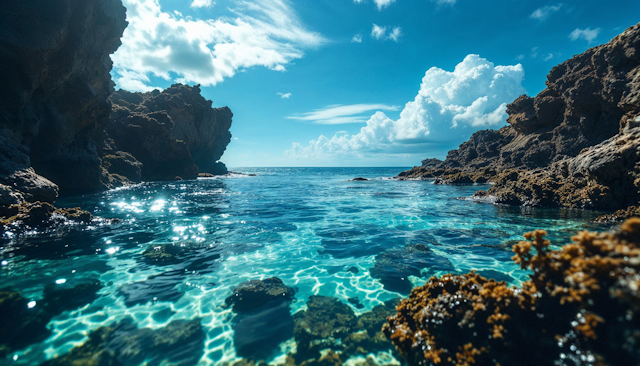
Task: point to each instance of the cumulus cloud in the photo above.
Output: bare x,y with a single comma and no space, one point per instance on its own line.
202,3
357,38
284,95
167,45
341,114
587,34
449,107
544,12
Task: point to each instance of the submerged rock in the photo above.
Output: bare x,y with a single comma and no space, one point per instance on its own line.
264,319
25,321
359,179
40,215
254,294
325,322
581,306
181,342
160,287
394,267
162,254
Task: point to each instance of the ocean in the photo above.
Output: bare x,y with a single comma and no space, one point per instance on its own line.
360,242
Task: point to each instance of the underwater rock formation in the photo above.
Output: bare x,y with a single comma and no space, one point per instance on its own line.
181,342
173,133
580,307
573,145
326,321
253,294
264,319
25,322
394,267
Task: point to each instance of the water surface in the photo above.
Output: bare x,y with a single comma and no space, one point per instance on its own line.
311,227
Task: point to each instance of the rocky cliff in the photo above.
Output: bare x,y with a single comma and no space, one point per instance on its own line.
173,133
61,133
575,144
55,84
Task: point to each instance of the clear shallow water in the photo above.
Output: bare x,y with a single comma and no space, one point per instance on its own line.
306,226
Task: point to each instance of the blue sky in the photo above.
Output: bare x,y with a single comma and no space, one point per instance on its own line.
358,82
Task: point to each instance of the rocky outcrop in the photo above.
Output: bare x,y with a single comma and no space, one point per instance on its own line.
55,78
581,306
168,134
572,145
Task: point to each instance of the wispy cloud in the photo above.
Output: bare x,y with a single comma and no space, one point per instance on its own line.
549,57
395,34
341,114
380,33
202,3
265,33
587,34
381,4
445,2
544,12
284,95
357,38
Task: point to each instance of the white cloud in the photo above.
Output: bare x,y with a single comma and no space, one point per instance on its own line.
449,107
383,3
357,38
341,114
587,34
520,57
395,34
202,3
549,57
284,95
544,12
378,32
445,2
166,45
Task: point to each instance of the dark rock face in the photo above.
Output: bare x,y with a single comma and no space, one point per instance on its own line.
173,133
181,342
56,82
572,145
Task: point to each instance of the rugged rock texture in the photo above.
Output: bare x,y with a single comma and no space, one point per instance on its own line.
253,294
173,133
55,78
573,145
580,307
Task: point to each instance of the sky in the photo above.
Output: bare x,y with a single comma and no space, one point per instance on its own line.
358,82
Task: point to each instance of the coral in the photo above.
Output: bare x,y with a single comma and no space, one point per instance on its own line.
580,307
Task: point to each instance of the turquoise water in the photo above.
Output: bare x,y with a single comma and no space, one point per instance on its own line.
307,226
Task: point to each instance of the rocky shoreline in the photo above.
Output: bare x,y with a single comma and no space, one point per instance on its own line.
575,145
65,131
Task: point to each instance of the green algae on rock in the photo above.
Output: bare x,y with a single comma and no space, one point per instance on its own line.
253,294
581,305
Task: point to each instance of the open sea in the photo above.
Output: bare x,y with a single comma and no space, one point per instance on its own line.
313,228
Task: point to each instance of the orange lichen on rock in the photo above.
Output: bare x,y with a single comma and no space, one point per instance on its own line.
581,306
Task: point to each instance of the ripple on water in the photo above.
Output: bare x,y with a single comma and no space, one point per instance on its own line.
358,244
